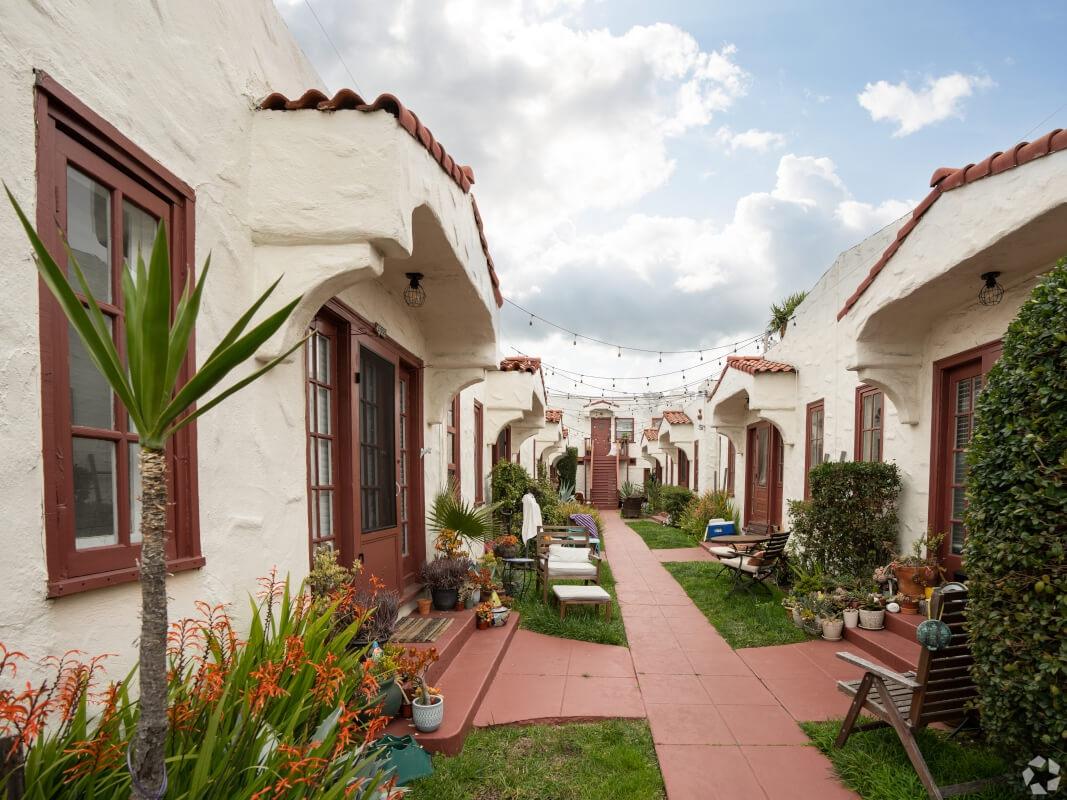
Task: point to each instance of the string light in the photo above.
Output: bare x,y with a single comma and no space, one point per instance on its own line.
531,320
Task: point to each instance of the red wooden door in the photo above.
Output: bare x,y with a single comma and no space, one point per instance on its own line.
958,384
763,475
601,433
409,476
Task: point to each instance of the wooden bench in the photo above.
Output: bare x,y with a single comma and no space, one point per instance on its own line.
568,595
940,690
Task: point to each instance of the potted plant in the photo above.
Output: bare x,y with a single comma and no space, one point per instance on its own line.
808,605
411,666
457,522
444,577
829,613
633,497
427,708
872,611
917,569
789,603
506,547
384,669
424,606
483,615
908,604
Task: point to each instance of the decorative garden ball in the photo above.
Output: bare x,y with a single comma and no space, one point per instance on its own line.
893,607
933,634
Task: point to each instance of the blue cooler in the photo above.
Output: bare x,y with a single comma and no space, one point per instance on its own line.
719,529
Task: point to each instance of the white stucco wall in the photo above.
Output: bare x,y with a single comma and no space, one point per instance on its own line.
181,80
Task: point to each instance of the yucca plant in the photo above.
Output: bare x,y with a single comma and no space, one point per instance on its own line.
782,312
157,343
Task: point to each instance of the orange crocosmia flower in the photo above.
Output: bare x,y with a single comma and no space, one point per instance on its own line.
376,583
328,677
266,687
294,652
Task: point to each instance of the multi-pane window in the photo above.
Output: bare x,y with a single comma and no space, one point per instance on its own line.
87,189
452,442
479,453
762,454
403,481
813,445
869,410
377,442
966,392
322,415
731,465
624,429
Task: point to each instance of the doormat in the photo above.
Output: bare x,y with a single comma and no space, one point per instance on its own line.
420,629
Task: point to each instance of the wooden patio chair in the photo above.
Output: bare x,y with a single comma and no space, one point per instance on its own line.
940,690
752,567
550,567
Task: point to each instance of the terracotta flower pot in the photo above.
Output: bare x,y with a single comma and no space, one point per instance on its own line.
405,710
459,606
483,624
424,606
906,580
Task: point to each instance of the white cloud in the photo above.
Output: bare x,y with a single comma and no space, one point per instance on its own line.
752,139
865,217
912,110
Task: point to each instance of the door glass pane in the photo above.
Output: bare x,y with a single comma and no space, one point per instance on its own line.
876,445
761,457
959,533
963,430
325,512
95,520
135,491
322,410
91,404
377,410
324,462
963,396
89,231
959,471
405,546
138,233
322,358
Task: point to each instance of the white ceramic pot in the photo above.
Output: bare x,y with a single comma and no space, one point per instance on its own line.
428,718
831,629
872,620
797,619
852,617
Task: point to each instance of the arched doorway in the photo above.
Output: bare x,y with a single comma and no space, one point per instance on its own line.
763,475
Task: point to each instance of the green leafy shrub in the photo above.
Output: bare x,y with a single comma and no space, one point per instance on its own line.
1015,553
508,483
574,507
708,506
567,467
849,527
286,705
673,500
654,493
548,499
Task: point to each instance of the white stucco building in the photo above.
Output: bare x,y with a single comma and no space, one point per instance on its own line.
888,350
207,116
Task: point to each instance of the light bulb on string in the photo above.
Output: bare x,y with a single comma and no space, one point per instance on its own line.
661,358
575,342
620,352
701,355
531,320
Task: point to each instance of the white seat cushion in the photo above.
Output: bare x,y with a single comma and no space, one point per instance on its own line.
735,563
581,593
571,569
728,552
558,552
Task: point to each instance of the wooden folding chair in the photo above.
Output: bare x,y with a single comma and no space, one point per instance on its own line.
751,568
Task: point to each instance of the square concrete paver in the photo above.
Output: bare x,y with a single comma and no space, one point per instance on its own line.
810,699
795,773
600,660
602,697
707,772
676,723
673,689
762,725
716,662
737,690
519,698
537,654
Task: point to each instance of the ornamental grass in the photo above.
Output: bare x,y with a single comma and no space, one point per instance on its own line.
287,712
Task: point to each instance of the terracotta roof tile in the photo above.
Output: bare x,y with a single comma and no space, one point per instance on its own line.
529,364
677,418
754,364
554,415
651,433
348,100
945,179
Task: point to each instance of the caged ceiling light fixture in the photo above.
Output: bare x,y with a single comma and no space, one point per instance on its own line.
414,295
992,293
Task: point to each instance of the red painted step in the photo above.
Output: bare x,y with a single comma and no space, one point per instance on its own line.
898,650
463,682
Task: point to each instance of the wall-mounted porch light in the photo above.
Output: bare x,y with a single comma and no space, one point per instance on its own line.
992,293
414,295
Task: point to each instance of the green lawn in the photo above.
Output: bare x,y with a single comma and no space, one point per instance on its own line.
745,619
582,622
874,764
612,760
660,537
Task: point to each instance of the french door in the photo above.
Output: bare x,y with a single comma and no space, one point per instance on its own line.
958,380
364,446
763,468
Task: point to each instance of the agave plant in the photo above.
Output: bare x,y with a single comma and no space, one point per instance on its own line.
566,491
450,512
782,312
157,344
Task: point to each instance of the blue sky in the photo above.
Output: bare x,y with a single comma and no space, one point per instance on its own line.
656,173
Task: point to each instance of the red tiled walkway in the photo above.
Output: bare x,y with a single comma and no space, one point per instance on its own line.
724,721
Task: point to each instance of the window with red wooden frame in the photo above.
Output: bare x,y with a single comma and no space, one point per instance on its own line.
624,429
683,469
479,453
813,440
870,410
323,403
108,197
452,443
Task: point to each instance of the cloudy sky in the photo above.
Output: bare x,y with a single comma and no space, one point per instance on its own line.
655,174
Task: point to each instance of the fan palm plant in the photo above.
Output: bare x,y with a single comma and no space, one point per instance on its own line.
782,312
450,512
157,344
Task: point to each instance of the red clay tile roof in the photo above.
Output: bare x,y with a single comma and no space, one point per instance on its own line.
651,433
677,418
754,364
346,99
529,364
554,415
945,179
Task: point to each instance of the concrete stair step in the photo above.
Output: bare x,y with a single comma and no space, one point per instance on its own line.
896,651
463,682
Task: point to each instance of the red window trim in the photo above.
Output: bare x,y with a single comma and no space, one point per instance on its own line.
479,453
862,391
632,430
813,406
455,457
67,126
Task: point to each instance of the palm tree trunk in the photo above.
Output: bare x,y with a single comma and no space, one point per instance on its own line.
151,738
